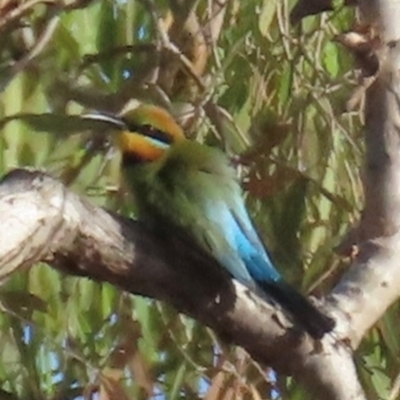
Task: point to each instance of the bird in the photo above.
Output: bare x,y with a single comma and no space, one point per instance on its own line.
180,182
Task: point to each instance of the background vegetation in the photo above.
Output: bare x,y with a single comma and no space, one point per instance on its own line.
237,75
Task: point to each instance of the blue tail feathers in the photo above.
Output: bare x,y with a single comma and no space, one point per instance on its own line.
262,271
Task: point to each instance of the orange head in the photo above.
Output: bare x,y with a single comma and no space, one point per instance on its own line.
148,133
144,132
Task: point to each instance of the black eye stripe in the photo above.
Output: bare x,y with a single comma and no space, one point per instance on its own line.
150,131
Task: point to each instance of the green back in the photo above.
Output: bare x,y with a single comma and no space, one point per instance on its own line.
184,189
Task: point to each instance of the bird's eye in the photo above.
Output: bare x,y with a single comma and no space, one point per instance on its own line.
148,130
155,133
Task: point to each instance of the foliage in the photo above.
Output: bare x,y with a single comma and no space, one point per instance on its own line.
237,75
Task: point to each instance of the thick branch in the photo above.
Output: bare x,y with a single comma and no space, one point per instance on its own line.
373,282
44,221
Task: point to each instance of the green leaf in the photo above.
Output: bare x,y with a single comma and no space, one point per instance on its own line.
268,10
107,36
331,59
285,83
59,125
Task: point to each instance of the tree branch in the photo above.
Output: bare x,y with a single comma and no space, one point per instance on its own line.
372,283
43,221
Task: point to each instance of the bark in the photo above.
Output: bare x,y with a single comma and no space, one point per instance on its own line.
372,283
44,221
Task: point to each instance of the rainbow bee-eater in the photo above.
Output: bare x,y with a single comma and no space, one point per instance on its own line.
180,182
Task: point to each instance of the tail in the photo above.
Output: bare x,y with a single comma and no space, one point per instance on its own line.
313,321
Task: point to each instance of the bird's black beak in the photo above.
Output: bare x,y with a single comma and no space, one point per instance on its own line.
110,121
